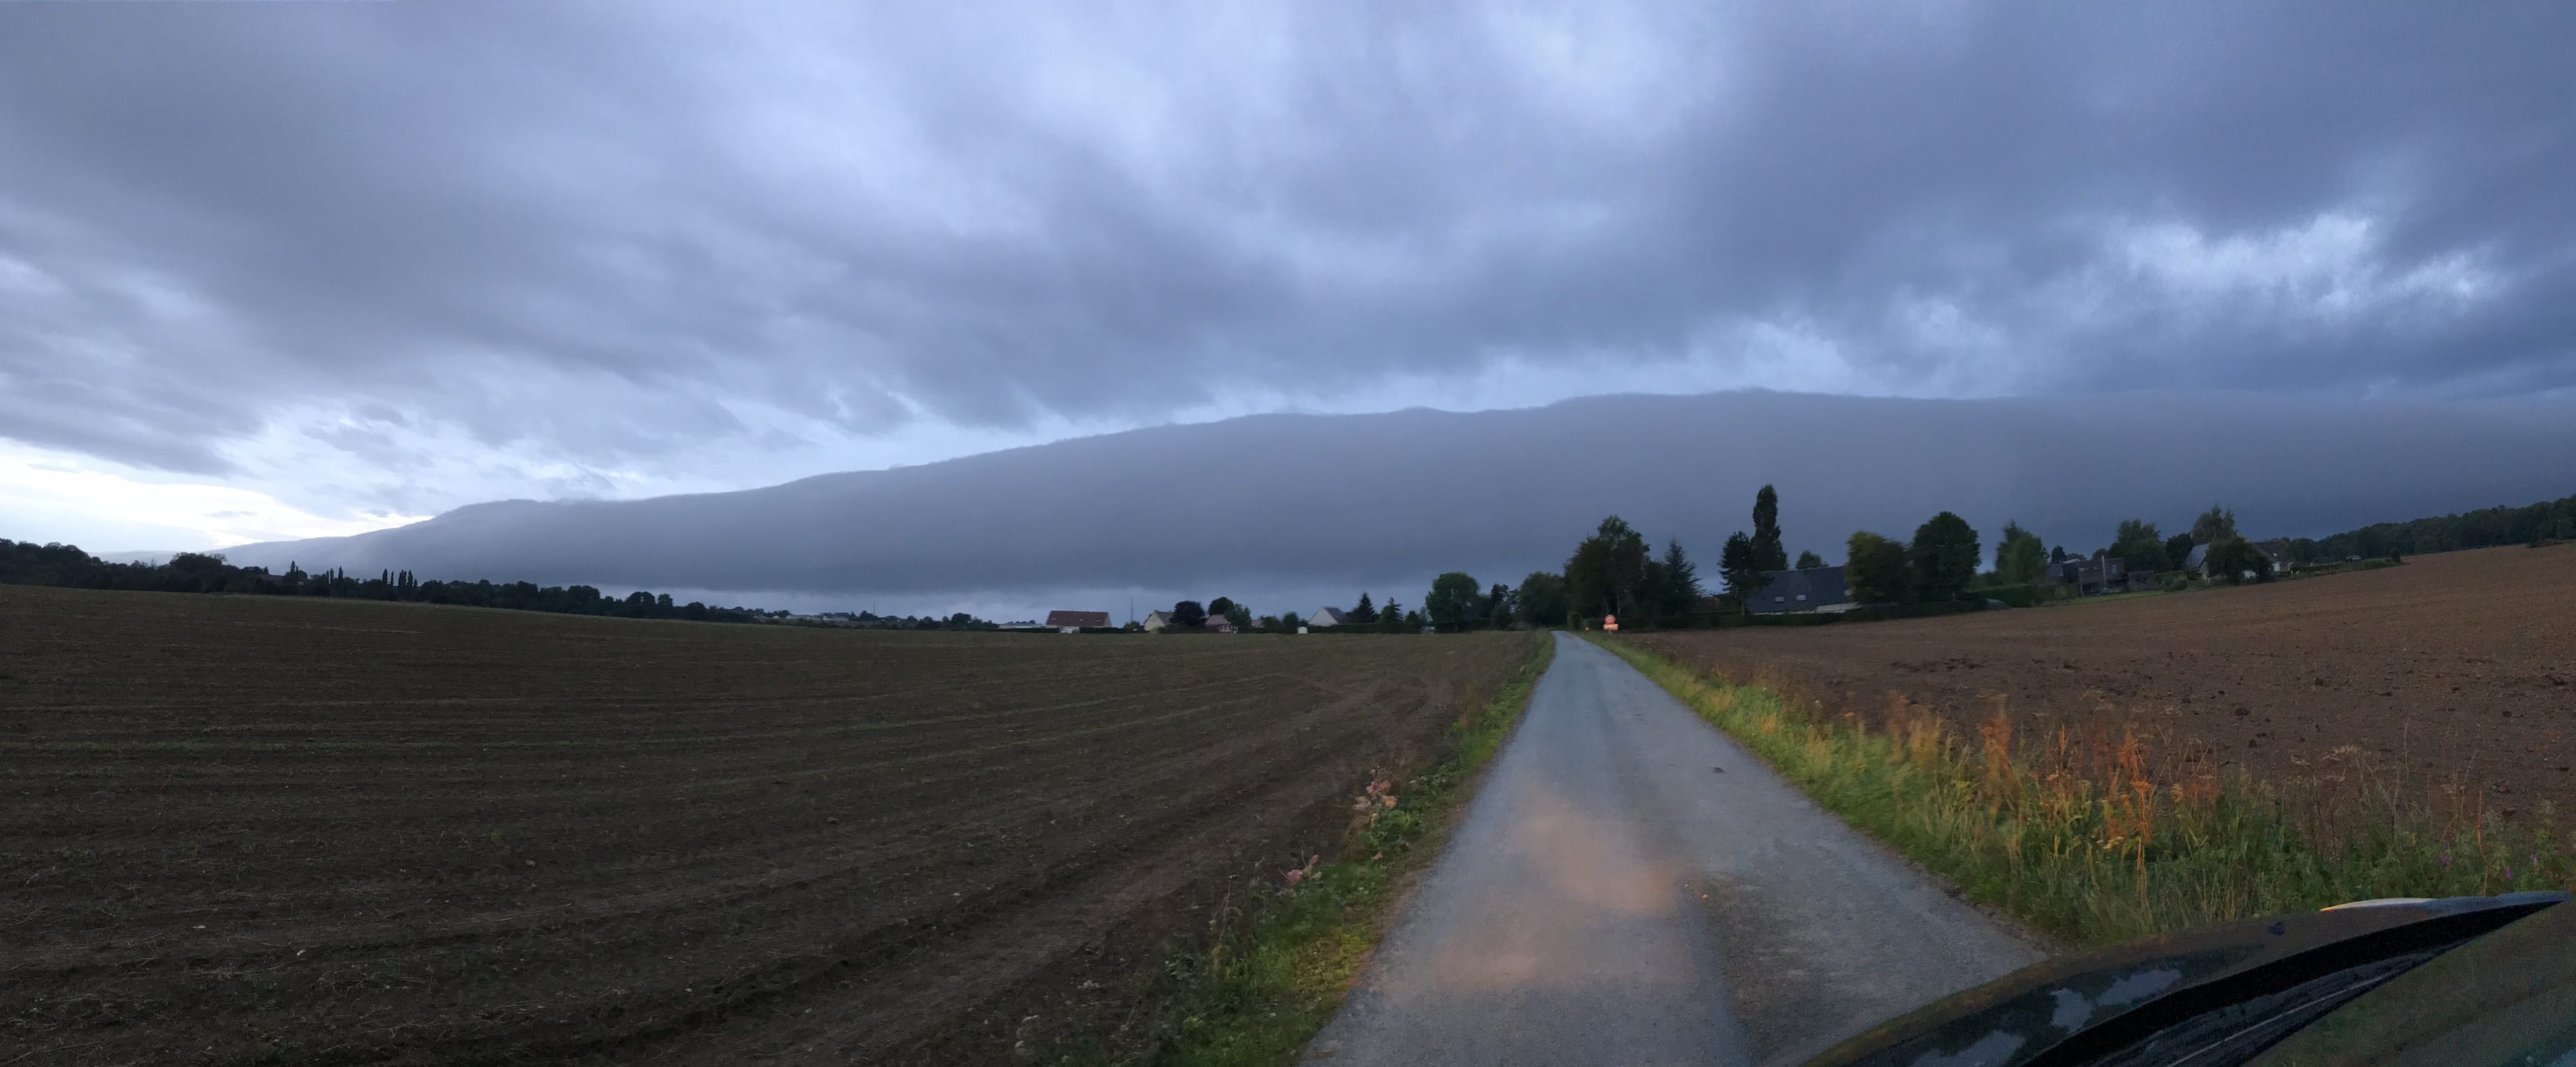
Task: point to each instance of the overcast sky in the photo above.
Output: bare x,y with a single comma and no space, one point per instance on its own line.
278,270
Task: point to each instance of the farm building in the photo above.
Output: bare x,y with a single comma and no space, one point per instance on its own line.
1074,621
2103,574
1812,589
1324,617
2277,552
1156,621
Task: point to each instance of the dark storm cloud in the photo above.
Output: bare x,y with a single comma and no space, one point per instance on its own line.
600,228
1275,507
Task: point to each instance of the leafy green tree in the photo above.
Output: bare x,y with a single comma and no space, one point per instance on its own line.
1221,606
2213,525
1542,600
2177,551
1240,616
2231,558
1809,560
1607,569
1874,570
1413,622
2140,545
2057,555
1768,554
1187,615
1290,621
2019,559
1943,557
1739,567
1365,611
1498,609
1453,602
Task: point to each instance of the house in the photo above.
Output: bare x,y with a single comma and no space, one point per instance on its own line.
1069,622
1812,589
1154,623
1219,624
2278,552
2103,574
1324,617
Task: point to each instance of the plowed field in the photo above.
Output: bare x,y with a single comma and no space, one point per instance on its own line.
291,831
2454,668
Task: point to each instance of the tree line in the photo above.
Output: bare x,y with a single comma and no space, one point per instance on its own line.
1615,570
27,563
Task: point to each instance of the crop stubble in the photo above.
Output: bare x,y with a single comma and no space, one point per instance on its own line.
334,832
2458,668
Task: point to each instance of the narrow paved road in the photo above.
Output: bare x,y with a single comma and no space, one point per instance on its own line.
1629,887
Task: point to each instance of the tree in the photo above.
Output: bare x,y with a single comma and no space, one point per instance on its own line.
2213,525
1453,602
1607,569
1364,612
1289,622
2178,551
2232,557
1221,606
1498,608
1943,557
1187,615
1767,553
2138,543
2019,559
1390,619
1739,567
1240,616
2057,555
1677,583
1542,600
1874,569
1809,560
1412,622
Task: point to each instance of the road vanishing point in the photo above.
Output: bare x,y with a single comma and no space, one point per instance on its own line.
1630,887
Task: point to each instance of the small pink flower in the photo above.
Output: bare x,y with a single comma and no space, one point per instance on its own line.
1296,876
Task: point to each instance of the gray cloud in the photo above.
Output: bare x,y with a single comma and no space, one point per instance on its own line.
1275,507
609,232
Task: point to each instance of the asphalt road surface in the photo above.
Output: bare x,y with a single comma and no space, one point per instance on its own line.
1629,887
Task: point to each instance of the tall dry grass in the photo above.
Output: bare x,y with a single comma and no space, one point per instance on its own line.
2109,837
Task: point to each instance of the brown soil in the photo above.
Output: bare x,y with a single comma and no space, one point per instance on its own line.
295,831
2454,668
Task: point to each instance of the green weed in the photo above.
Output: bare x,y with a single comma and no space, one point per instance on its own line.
2097,844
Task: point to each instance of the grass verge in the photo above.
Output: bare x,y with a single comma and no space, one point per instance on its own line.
1263,989
2120,849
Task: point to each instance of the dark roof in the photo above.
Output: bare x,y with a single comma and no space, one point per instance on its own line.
1780,590
1077,618
1331,616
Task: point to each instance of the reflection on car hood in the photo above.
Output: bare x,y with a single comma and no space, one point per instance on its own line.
2508,997
2111,1006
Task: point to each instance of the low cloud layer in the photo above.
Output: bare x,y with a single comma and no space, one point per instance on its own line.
404,256
1281,509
